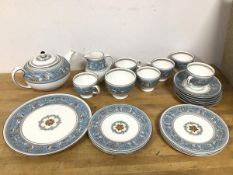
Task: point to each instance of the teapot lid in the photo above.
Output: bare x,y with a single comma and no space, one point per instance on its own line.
44,60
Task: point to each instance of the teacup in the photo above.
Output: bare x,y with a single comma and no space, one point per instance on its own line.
148,77
182,59
200,74
120,82
127,63
165,65
85,84
96,60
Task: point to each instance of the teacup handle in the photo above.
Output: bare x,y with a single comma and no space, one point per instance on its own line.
111,58
188,80
13,76
96,89
148,63
139,64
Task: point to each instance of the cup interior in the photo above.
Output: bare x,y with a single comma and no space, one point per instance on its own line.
85,79
125,63
163,64
96,55
148,73
120,77
182,57
200,69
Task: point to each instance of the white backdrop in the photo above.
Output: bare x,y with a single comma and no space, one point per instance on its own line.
135,28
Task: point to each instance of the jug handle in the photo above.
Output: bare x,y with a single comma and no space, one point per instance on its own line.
111,58
13,76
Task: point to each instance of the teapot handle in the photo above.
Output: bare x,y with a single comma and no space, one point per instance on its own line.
13,76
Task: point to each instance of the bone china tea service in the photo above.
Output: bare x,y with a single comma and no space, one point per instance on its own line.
45,72
148,77
182,59
52,123
208,95
128,63
85,84
165,65
120,82
200,74
98,63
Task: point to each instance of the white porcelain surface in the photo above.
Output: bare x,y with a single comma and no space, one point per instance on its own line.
200,69
199,90
111,133
47,124
94,55
120,77
182,57
127,63
207,131
207,95
147,89
85,80
49,86
44,72
194,130
41,63
148,73
85,83
119,129
120,97
33,132
162,64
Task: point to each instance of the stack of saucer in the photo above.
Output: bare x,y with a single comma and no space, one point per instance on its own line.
208,95
194,130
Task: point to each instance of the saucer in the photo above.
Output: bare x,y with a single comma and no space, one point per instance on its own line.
209,103
119,129
211,90
47,124
197,98
194,130
102,72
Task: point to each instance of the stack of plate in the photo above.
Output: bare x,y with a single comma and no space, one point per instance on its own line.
119,129
209,95
194,130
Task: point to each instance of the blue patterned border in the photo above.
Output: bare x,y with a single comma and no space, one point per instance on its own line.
215,85
17,142
109,146
217,143
47,75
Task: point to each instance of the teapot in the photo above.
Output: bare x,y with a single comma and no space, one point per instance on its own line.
44,72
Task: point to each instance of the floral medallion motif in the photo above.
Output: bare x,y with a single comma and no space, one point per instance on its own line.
49,122
120,127
193,128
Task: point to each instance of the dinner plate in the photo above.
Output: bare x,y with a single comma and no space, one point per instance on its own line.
194,130
47,124
119,129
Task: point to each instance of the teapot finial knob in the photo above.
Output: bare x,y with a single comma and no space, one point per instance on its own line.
42,54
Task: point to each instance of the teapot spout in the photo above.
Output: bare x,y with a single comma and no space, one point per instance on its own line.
69,55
